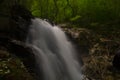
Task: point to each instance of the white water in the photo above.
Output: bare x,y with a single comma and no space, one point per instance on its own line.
54,54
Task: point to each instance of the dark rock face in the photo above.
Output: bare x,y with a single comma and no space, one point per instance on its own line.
20,21
18,11
13,35
16,28
116,60
16,23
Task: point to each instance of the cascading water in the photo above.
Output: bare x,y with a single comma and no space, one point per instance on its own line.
54,54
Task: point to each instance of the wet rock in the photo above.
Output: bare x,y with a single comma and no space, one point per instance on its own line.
81,40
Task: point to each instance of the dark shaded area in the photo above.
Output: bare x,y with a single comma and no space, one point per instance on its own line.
23,52
15,21
19,22
18,11
1,1
116,60
13,35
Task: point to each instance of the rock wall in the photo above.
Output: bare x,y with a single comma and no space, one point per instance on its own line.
15,21
14,26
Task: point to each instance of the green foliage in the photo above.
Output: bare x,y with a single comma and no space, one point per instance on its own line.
64,10
75,18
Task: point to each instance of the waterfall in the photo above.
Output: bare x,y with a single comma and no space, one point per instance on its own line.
54,54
